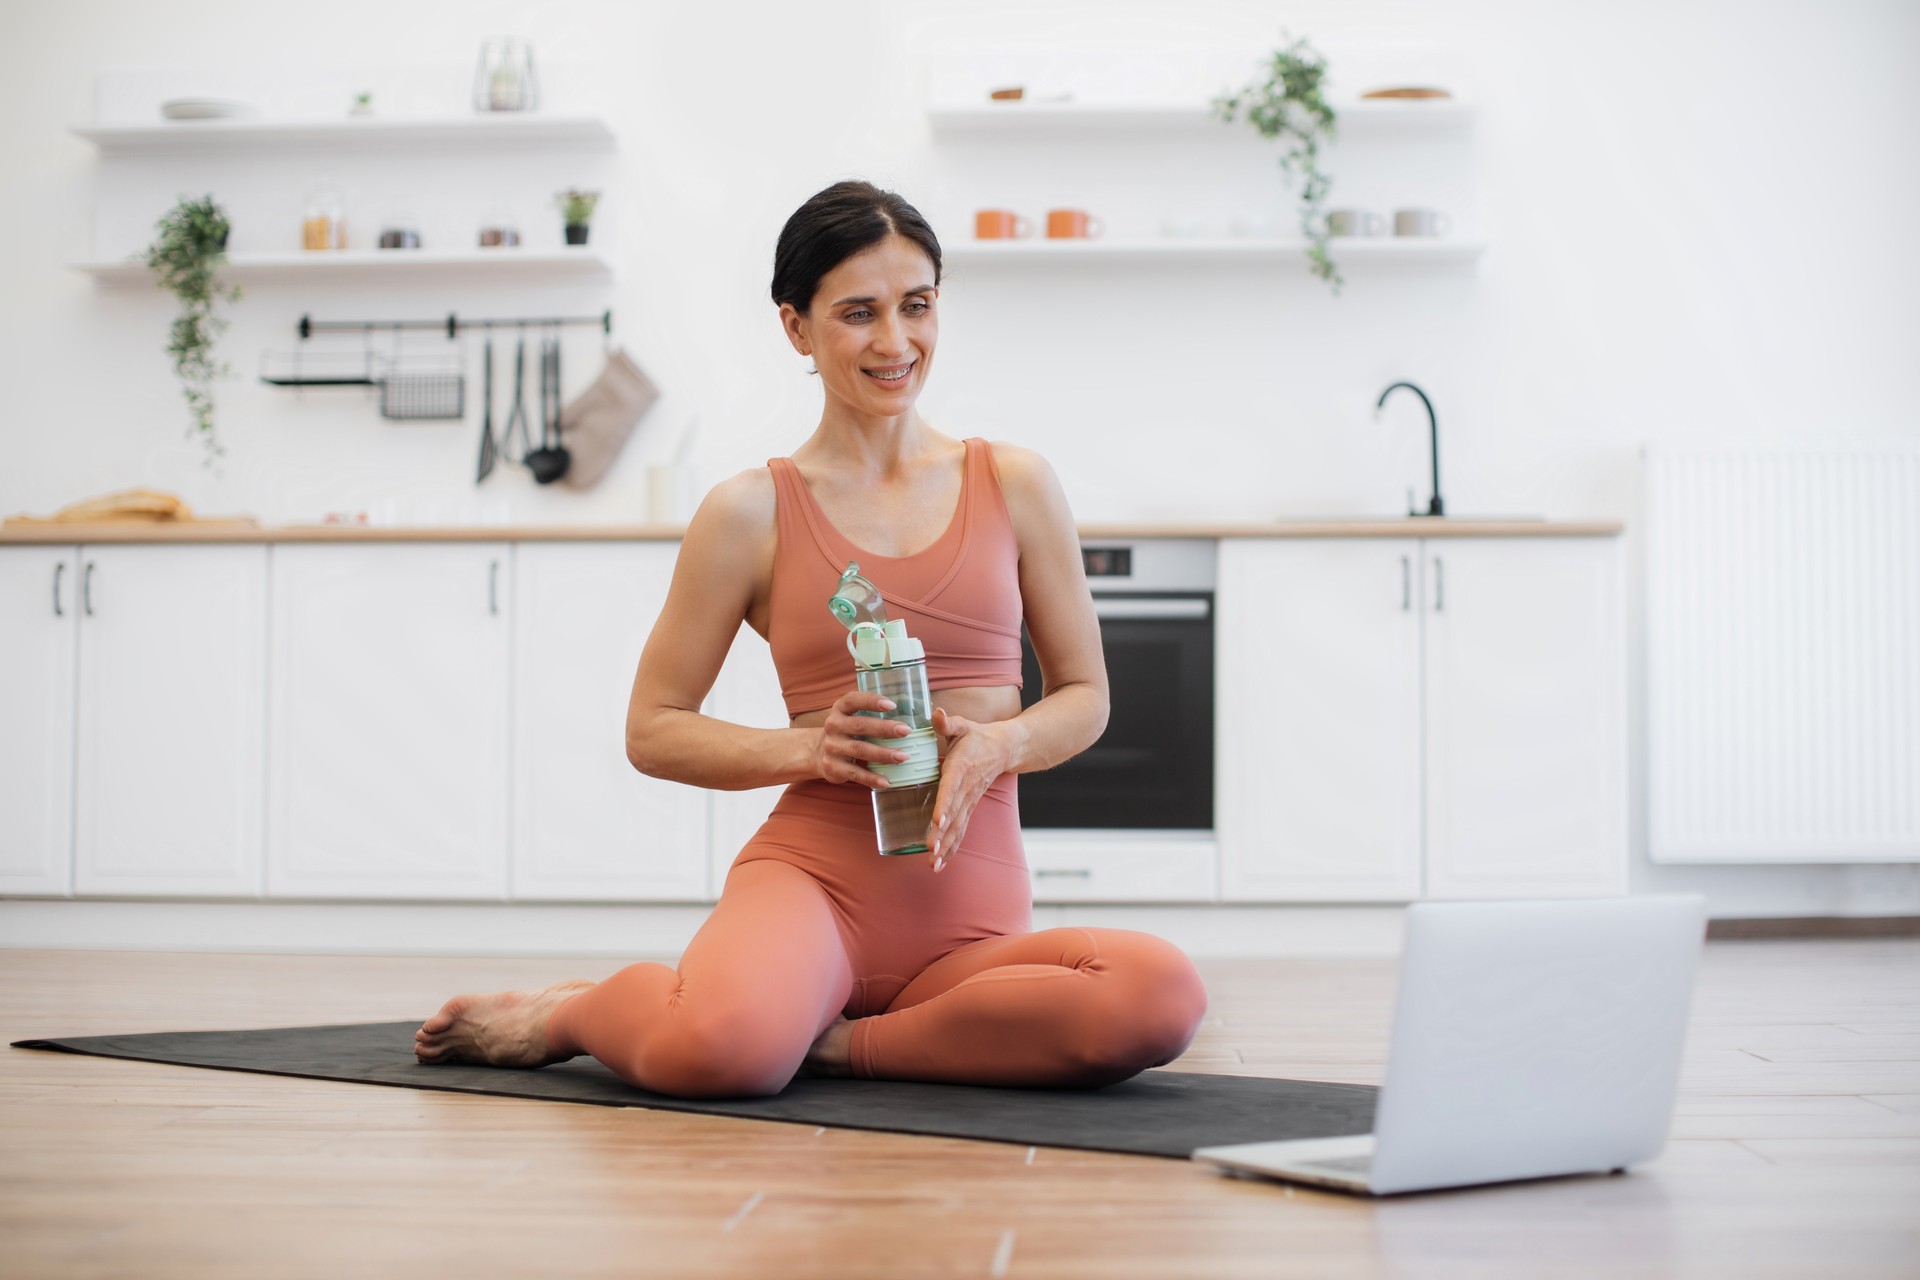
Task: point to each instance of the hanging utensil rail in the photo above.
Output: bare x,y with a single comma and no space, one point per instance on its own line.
452,325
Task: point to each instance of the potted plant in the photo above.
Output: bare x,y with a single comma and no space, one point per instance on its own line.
190,249
577,208
1286,104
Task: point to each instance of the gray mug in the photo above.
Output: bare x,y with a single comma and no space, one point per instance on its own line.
1354,222
1421,222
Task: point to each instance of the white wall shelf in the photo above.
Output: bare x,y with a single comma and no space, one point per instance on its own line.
1018,118
1108,252
252,133
580,263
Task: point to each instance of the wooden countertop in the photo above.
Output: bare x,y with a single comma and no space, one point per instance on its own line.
242,531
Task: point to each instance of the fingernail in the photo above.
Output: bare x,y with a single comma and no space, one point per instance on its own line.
886,704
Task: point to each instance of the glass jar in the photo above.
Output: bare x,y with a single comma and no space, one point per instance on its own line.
504,79
325,225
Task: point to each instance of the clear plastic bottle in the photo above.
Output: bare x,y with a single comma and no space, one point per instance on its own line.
891,663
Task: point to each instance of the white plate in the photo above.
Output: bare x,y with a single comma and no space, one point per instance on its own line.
202,108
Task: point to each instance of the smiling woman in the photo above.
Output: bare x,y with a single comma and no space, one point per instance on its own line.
821,955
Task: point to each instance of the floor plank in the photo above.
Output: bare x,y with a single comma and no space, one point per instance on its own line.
1796,1148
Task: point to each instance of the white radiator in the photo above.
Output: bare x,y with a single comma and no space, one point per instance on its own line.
1783,654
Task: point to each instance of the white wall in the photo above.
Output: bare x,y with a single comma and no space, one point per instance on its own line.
1699,219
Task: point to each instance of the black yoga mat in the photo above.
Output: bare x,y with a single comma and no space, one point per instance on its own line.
1157,1113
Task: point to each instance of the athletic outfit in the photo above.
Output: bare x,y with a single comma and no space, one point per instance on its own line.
942,971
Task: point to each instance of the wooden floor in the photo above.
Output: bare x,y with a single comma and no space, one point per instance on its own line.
1796,1149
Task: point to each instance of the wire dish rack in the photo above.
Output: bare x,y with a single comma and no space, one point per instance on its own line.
414,387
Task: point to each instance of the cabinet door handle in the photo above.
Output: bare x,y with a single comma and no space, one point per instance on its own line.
1406,584
1439,585
86,590
1077,873
59,569
493,588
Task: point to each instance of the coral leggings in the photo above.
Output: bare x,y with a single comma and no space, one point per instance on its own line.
941,971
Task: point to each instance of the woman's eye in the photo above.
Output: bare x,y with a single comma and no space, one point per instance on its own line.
917,308
857,316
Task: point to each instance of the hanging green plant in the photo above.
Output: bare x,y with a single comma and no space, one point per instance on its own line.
1286,105
186,257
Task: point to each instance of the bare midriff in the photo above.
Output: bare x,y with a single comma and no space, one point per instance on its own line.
985,704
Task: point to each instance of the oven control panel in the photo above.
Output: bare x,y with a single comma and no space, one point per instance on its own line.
1149,564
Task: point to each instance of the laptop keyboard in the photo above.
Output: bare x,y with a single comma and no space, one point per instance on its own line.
1341,1164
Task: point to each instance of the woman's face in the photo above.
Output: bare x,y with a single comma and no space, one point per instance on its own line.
871,328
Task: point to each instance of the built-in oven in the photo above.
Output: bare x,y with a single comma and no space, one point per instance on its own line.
1152,770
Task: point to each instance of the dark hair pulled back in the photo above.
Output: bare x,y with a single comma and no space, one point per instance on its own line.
845,219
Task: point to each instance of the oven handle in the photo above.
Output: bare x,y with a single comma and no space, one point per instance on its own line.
1123,607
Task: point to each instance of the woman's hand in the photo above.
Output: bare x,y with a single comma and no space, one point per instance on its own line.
841,754
976,753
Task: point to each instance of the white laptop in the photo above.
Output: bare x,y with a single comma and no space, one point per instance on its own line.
1530,1039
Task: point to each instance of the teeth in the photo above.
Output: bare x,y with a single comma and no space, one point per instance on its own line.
890,377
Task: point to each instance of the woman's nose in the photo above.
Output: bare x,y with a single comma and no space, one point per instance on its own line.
889,336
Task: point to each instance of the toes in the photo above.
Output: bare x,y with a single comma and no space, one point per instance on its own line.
449,1012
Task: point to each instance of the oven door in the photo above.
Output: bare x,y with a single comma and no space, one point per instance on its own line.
1152,770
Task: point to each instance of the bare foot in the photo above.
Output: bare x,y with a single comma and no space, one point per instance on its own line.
505,1029
832,1051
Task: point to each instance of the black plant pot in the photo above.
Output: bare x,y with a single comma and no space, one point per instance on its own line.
576,233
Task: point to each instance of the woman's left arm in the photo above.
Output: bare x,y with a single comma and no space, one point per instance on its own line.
1072,711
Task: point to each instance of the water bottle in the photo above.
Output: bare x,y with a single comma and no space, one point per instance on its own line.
889,662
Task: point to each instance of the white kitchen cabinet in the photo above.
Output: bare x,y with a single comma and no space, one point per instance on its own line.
1431,717
1318,723
389,720
746,692
170,771
586,824
1525,733
39,632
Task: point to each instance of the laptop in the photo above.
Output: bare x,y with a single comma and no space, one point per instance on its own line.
1530,1040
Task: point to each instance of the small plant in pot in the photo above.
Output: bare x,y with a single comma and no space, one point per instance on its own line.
1286,104
576,208
186,257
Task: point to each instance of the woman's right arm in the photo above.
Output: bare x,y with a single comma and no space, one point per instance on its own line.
727,550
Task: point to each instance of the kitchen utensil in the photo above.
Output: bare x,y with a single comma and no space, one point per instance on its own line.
517,416
550,461
1073,224
423,386
488,450
1408,92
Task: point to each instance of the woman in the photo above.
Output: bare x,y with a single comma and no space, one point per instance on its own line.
821,955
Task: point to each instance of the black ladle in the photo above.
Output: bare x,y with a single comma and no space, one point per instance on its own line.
550,461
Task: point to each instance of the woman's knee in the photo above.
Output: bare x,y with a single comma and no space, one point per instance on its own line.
1161,1000
717,1052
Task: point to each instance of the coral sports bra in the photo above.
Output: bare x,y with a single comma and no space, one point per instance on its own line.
960,596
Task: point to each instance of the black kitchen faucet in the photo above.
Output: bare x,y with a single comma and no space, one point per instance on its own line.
1436,507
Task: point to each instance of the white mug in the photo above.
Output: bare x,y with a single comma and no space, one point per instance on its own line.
1355,222
1421,222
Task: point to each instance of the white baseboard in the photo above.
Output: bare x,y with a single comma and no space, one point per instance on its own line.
436,928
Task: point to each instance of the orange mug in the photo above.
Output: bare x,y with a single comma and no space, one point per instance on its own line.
1073,224
1000,224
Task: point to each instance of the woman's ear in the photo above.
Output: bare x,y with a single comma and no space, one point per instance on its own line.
796,327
